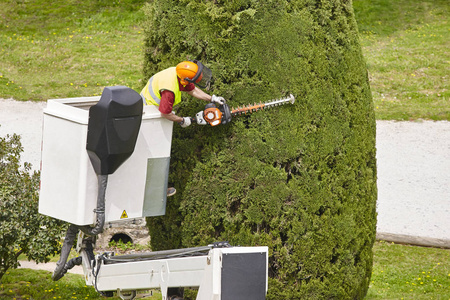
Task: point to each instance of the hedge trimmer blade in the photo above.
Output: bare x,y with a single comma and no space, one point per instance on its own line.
255,107
214,116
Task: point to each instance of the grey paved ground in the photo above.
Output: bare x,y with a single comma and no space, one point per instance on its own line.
24,118
413,170
48,267
414,179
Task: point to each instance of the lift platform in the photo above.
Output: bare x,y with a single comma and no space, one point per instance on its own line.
219,273
90,143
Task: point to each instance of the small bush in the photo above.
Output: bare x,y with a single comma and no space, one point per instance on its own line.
22,229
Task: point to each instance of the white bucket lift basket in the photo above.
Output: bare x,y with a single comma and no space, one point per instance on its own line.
68,181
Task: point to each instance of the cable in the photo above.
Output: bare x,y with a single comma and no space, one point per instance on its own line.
187,252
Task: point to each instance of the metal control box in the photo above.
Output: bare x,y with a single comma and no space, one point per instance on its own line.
69,183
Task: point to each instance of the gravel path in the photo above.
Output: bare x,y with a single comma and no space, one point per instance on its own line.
413,171
50,266
414,180
24,118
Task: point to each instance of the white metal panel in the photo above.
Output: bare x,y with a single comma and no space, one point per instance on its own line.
64,171
183,272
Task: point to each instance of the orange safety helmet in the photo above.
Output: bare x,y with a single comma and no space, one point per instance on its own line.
194,72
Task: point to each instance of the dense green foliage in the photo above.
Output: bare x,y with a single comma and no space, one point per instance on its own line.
22,229
300,179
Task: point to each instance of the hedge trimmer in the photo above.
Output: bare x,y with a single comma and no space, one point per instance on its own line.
214,115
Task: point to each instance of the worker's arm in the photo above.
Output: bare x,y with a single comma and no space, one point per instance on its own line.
172,117
166,106
199,94
167,99
184,122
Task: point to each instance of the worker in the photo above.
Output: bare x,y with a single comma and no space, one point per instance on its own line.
164,90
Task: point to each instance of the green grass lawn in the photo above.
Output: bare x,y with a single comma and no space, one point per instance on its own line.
406,44
37,284
70,48
409,272
399,272
76,48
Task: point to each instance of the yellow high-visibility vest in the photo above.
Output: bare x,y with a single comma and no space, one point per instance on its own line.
164,80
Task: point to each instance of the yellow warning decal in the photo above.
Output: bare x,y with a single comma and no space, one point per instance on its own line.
124,215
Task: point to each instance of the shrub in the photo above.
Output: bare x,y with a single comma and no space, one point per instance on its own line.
22,229
300,179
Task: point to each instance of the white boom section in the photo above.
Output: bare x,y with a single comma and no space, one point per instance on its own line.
220,274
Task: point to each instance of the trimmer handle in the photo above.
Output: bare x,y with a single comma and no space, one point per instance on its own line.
213,115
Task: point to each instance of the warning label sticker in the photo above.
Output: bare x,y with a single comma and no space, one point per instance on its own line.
124,215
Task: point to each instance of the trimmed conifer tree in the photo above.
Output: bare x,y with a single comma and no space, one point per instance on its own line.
300,179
